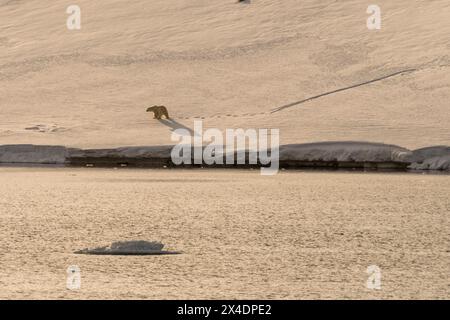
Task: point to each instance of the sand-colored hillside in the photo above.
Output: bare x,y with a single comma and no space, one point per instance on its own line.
229,63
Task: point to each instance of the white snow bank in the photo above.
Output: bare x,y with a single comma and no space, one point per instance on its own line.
125,152
28,153
429,152
435,163
344,151
430,158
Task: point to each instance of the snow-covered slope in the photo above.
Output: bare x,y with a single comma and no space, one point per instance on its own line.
228,63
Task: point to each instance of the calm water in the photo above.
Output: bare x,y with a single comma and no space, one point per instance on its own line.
294,235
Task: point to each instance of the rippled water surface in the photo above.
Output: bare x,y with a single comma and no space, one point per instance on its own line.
294,235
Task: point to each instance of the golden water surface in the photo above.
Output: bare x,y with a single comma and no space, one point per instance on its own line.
294,235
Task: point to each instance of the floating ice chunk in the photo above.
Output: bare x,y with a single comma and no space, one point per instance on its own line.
137,247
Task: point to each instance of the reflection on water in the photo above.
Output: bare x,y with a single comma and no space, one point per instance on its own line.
294,235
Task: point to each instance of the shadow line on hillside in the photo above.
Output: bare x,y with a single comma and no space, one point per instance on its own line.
174,125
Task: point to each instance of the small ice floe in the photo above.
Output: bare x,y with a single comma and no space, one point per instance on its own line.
138,248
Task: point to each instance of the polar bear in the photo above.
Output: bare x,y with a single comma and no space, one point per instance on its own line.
158,112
